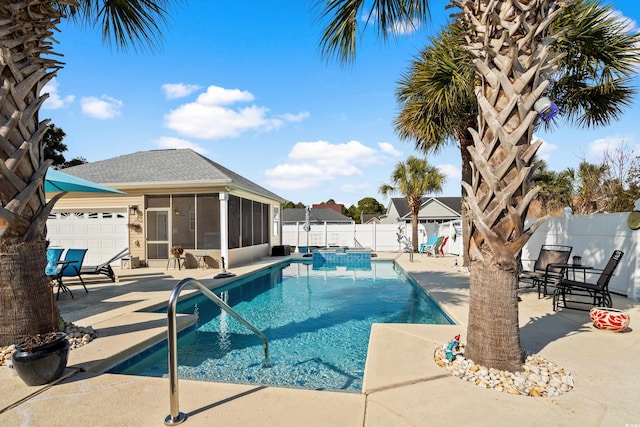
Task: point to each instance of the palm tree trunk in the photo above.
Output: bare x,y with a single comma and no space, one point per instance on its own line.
26,28
512,49
493,317
466,140
25,296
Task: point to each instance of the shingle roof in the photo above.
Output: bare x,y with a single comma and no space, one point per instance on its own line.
402,206
157,167
317,215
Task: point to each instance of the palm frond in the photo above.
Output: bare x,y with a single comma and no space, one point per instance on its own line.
124,23
342,28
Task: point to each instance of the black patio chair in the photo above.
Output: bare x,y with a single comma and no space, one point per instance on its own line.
598,293
544,274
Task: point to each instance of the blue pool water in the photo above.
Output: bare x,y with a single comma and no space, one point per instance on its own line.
317,319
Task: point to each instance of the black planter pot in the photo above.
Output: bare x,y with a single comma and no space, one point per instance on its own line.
43,363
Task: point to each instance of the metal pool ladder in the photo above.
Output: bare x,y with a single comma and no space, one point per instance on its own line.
175,416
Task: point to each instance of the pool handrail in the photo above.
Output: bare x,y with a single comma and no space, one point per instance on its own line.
176,417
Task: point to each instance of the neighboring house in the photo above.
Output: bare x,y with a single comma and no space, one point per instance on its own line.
173,197
433,210
316,216
369,219
335,206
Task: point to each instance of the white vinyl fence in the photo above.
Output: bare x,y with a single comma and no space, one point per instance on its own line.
378,237
594,238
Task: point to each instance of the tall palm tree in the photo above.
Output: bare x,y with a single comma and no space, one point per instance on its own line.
510,43
413,179
592,88
438,105
28,61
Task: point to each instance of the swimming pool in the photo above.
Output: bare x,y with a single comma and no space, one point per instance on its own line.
317,320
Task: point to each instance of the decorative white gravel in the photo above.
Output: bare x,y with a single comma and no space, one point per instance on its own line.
538,378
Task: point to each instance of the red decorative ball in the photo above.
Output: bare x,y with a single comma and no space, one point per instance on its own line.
609,318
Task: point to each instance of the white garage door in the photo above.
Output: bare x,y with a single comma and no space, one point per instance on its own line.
103,233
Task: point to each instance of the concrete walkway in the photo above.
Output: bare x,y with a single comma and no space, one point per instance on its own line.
402,384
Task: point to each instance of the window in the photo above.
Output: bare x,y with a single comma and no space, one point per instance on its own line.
247,219
208,221
181,231
276,220
234,222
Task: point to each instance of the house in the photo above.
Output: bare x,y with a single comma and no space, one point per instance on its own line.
316,216
433,210
335,206
173,197
369,218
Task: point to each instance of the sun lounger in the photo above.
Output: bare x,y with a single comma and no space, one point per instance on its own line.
597,293
105,267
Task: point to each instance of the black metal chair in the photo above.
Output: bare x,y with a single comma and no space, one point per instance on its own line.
598,293
543,273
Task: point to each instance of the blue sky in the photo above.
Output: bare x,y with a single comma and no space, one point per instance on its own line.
246,86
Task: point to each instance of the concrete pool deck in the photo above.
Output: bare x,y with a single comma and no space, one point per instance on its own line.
402,386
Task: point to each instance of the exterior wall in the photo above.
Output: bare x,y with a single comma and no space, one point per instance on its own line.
250,253
137,241
392,215
137,245
594,237
436,210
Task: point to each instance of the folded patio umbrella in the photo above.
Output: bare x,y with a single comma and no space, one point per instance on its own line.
57,181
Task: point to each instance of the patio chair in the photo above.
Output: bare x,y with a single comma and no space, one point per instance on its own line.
598,292
436,248
105,267
442,245
70,266
429,243
544,274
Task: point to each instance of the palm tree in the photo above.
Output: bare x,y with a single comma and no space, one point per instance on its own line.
438,105
555,189
413,179
591,197
510,45
28,62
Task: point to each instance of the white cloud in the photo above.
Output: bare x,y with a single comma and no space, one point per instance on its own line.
405,27
453,173
545,150
388,148
216,95
399,28
178,90
55,100
598,147
212,117
310,164
296,117
171,142
629,24
101,108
